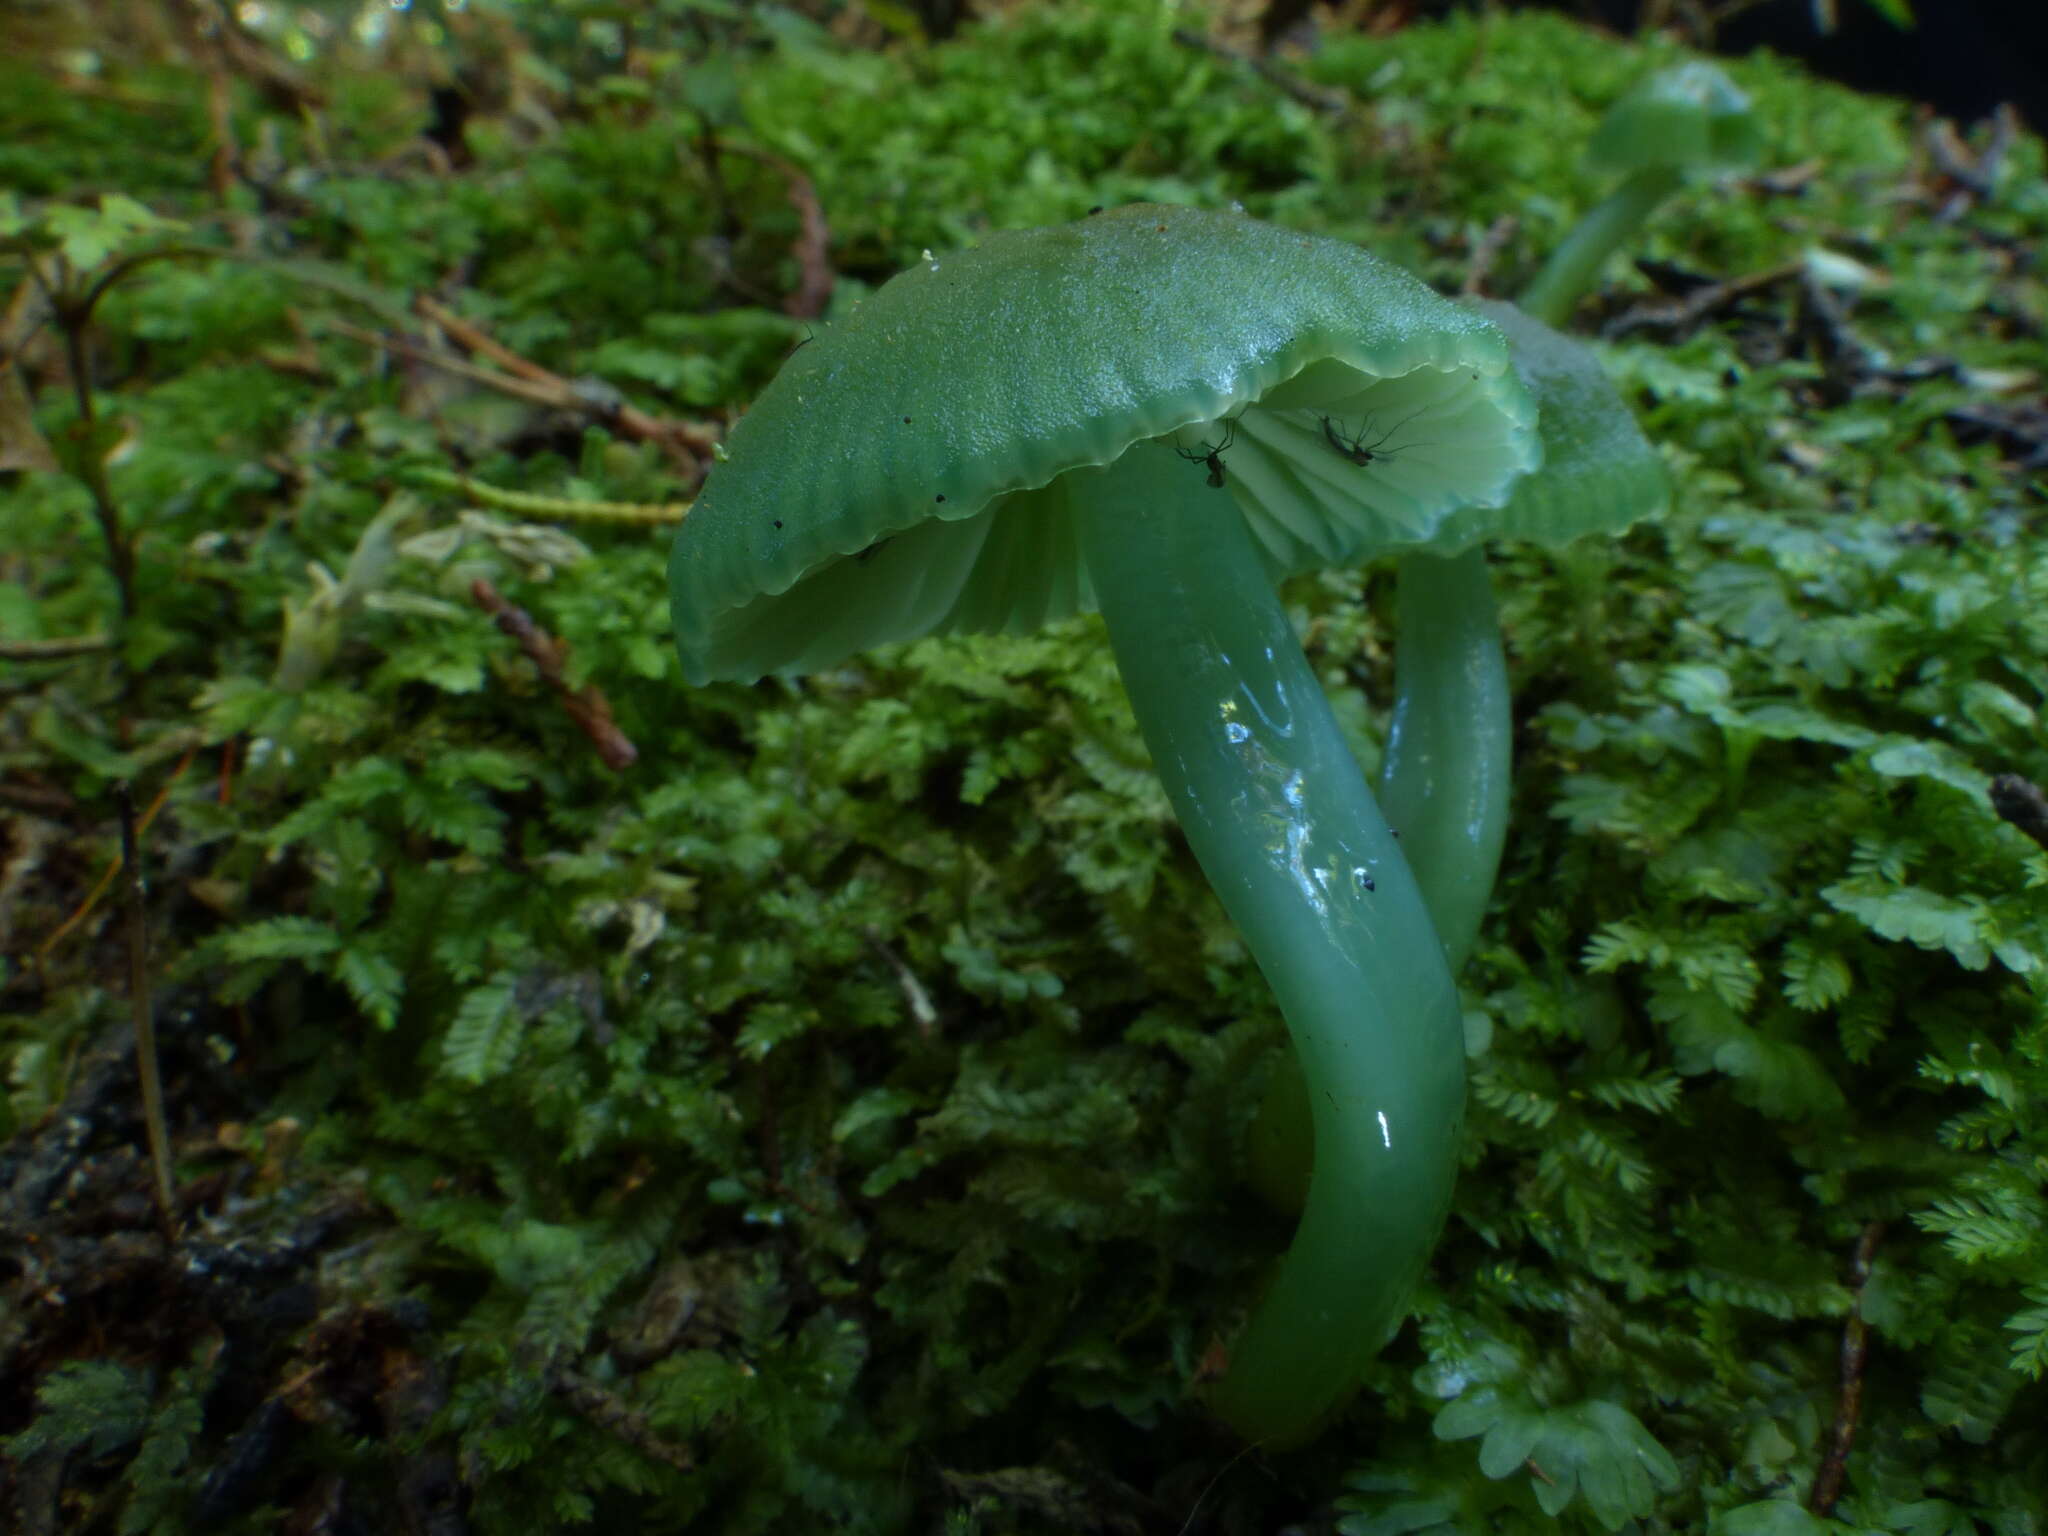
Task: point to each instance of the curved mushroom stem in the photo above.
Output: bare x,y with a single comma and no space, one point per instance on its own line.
1450,749
1444,788
1286,829
1575,265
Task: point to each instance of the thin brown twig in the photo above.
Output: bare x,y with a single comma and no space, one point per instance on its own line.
1210,1486
1972,176
447,362
813,244
1827,1482
606,1408
1313,96
1789,180
73,313
58,649
473,338
587,705
1678,317
1485,251
90,466
39,798
685,439
142,1005
92,897
133,263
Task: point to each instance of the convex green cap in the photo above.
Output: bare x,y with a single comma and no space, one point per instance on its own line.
1599,473
914,470
1690,118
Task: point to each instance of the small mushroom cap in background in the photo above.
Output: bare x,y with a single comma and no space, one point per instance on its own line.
1689,118
914,470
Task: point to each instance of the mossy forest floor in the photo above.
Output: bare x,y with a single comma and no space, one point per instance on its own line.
597,1104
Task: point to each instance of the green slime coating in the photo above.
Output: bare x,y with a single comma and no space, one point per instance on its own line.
1448,769
1286,828
1444,787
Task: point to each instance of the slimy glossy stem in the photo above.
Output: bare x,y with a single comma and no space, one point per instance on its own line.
1575,265
1444,786
1445,780
1287,831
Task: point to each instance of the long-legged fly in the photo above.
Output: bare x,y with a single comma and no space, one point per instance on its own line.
1210,455
1354,447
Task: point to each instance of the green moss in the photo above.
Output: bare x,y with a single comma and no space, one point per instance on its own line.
851,1093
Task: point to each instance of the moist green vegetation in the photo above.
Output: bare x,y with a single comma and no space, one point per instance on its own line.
834,1119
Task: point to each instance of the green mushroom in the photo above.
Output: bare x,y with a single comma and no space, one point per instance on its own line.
1158,413
1688,121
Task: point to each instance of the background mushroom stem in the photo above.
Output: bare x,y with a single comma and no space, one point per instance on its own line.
1287,831
1572,268
1687,120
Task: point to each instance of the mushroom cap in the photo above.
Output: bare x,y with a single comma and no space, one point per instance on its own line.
1599,472
1690,117
915,469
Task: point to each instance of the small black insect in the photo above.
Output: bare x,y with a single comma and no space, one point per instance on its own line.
1354,446
1212,456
